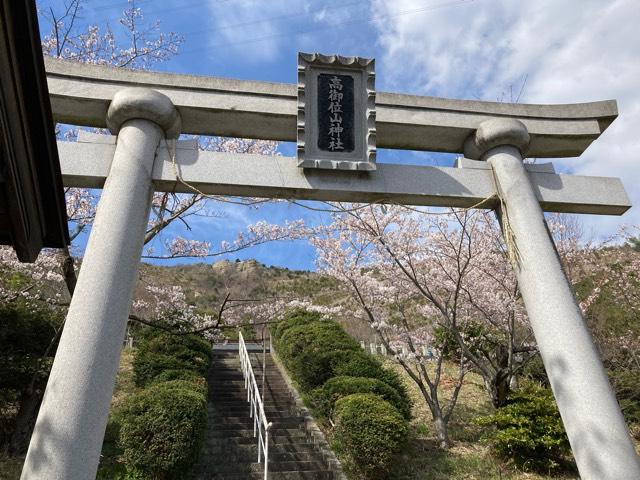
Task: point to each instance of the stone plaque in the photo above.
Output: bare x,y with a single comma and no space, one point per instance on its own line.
336,112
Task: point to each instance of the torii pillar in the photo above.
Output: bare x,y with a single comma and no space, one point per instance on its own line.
597,432
69,431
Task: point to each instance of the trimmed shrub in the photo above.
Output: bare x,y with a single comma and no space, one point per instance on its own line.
316,337
325,397
361,364
311,369
162,428
529,431
168,375
197,384
315,351
371,432
294,318
170,352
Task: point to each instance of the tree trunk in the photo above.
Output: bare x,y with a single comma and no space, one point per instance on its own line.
26,419
498,387
442,432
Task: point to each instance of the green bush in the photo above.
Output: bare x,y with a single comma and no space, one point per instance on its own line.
370,431
315,337
293,318
361,364
626,383
177,374
313,368
534,371
162,429
325,397
197,384
529,431
314,351
164,352
306,351
25,335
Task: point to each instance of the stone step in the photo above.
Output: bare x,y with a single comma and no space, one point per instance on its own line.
228,387
246,422
242,393
230,450
248,432
219,415
242,400
220,412
310,456
239,380
273,440
220,404
250,450
237,375
244,407
312,475
274,466
242,396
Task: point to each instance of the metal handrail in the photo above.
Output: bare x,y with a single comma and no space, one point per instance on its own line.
256,405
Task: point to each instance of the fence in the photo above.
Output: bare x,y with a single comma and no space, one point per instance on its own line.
260,424
379,349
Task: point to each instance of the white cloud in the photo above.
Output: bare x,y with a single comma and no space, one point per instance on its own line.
569,50
237,23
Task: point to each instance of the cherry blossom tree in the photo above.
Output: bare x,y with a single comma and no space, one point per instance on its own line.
166,307
440,282
138,44
611,270
132,43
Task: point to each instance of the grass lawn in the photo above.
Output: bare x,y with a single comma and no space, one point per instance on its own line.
468,458
110,467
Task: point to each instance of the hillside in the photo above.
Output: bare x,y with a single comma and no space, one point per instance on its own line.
205,285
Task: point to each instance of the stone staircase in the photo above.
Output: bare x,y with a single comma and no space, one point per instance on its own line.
231,452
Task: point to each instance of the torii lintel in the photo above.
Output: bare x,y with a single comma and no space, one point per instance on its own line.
81,94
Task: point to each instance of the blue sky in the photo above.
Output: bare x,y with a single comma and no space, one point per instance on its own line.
546,51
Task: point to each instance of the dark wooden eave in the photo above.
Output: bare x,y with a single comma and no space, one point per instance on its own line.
32,207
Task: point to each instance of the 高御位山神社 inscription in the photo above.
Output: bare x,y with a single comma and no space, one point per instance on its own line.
335,113
336,126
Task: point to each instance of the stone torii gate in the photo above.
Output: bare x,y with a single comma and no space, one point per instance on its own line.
141,108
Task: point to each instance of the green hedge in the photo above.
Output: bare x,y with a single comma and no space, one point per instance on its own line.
165,352
162,428
371,432
314,351
198,385
293,318
324,398
339,378
169,375
529,431
361,364
314,338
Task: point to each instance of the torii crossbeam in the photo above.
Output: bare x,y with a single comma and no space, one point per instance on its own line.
494,137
